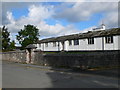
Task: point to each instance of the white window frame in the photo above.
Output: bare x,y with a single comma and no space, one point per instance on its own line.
70,42
46,44
108,39
39,45
76,42
54,44
91,40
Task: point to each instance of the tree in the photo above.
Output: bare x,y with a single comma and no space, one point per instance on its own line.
0,39
28,35
12,45
5,38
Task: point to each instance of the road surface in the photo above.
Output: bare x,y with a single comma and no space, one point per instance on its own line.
22,76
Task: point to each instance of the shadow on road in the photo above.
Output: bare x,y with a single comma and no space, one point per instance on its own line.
16,75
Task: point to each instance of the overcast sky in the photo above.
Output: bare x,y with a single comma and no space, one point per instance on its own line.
59,18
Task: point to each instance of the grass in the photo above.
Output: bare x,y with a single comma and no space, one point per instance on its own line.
103,67
67,52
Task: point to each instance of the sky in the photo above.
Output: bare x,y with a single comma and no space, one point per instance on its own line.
58,18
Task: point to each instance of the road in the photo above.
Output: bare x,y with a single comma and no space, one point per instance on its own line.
22,76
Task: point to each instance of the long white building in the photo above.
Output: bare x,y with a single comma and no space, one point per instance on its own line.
98,39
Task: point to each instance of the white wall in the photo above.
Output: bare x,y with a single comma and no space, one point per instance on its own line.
83,45
50,47
115,43
119,42
72,47
111,46
99,44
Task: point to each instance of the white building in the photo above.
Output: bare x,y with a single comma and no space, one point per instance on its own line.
98,39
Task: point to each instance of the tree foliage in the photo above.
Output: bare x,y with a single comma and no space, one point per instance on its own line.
12,45
28,35
5,38
0,39
6,44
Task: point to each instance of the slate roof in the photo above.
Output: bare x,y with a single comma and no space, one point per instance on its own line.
30,46
108,32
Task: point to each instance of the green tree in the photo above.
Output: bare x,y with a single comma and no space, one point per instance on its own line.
5,38
12,45
28,35
0,39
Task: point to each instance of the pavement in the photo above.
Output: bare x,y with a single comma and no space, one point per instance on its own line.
17,75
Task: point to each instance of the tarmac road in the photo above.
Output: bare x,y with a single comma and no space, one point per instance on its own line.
16,75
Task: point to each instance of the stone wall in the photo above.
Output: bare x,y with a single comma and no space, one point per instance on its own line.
15,56
81,59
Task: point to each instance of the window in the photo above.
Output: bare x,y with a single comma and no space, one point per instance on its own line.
70,42
91,40
54,44
109,39
39,45
46,44
76,42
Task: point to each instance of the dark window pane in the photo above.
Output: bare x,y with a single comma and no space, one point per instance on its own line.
76,42
90,40
109,39
54,44
70,42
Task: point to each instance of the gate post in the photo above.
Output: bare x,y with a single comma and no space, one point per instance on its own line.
30,53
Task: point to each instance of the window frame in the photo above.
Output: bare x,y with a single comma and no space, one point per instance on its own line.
70,42
76,42
46,44
108,39
39,45
91,41
54,44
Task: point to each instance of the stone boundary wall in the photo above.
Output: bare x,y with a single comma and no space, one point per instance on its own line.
15,56
82,59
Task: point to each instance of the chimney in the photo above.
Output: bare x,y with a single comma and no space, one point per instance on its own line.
103,27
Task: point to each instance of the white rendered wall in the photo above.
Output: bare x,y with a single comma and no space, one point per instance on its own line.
118,42
83,45
50,47
60,46
73,47
112,46
66,44
91,46
115,43
99,44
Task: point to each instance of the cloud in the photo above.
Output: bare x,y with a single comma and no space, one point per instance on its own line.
83,11
111,20
72,12
56,30
40,12
36,16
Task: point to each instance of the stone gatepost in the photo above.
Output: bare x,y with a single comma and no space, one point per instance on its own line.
27,56
32,56
30,53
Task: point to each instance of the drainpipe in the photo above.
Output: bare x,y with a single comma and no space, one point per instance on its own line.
102,43
58,46
62,45
43,46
